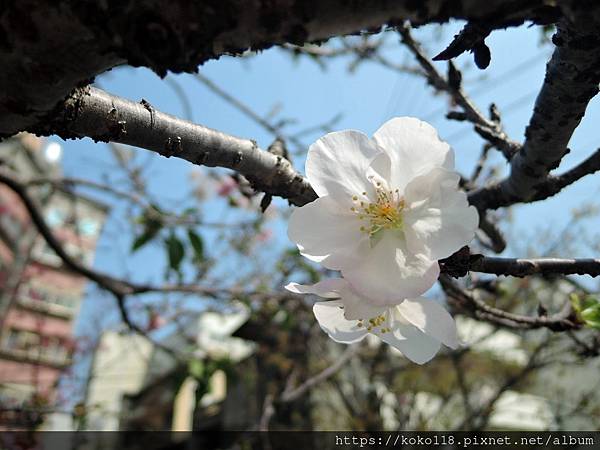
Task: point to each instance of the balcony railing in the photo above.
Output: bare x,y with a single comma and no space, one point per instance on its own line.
35,357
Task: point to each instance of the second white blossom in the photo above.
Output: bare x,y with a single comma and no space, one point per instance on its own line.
416,327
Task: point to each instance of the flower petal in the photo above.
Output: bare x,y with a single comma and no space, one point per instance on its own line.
337,164
330,316
329,288
380,169
327,234
389,273
438,219
411,342
357,306
431,318
414,148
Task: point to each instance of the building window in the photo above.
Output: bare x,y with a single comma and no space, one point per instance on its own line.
55,217
22,340
88,227
36,346
44,252
32,294
11,339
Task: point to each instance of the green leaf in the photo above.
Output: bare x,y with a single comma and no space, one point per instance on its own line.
587,309
151,219
196,368
589,302
175,250
575,302
197,244
147,235
156,208
140,220
591,314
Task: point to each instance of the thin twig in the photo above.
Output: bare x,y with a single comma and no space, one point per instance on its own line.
112,284
291,395
492,129
562,321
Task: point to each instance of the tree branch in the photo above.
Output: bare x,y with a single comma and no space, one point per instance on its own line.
497,242
456,265
456,358
554,184
118,287
571,81
562,321
462,262
491,197
483,415
125,317
91,112
524,267
49,48
293,394
105,281
489,129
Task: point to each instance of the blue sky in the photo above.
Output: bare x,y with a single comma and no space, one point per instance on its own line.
366,98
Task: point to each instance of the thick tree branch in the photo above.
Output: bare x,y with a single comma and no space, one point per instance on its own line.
462,262
572,78
491,197
49,48
524,267
94,113
554,184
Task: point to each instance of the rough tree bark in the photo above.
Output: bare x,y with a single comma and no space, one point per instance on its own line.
104,117
51,51
572,77
49,48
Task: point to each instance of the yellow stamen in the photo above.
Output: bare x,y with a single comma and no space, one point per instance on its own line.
385,213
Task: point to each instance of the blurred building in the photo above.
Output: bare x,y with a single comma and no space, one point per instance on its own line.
39,297
136,385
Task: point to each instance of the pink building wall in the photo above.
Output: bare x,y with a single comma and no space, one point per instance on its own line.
51,323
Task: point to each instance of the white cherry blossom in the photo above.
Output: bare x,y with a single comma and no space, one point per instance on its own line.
388,209
416,327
